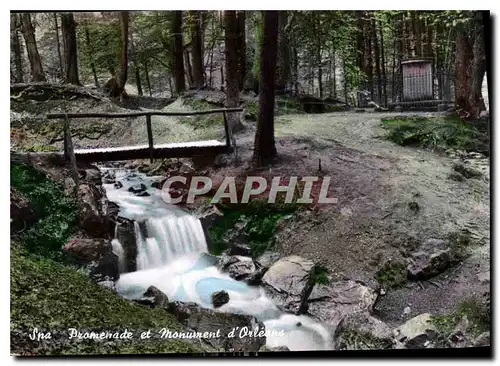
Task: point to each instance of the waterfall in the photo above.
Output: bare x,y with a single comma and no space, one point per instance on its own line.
120,253
170,246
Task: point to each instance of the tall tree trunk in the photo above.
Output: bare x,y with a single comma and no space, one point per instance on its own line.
334,71
295,70
478,67
189,70
264,147
382,53
242,49
137,70
70,51
15,47
58,41
91,54
360,41
148,82
122,74
284,48
346,85
196,42
28,31
232,77
318,54
368,56
463,59
377,60
401,47
178,58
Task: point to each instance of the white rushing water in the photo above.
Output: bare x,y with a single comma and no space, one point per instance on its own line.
171,243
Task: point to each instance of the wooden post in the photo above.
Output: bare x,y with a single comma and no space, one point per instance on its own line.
69,152
150,137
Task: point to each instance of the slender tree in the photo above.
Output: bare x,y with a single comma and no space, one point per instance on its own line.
242,59
377,59
58,41
196,45
70,51
28,32
178,58
232,79
15,47
264,147
91,51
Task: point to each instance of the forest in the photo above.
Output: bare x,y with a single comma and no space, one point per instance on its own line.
389,107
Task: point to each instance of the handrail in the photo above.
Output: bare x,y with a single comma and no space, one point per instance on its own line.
139,114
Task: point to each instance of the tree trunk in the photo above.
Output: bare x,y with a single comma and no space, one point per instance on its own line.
58,41
91,54
15,47
264,147
377,60
148,82
318,54
478,68
196,42
284,49
464,58
178,58
189,70
407,36
334,71
417,33
360,42
232,79
28,31
68,27
368,56
137,70
242,60
384,75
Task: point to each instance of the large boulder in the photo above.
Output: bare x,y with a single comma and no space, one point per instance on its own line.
92,215
154,297
95,254
21,211
425,265
87,249
238,268
330,303
227,325
360,330
289,283
417,332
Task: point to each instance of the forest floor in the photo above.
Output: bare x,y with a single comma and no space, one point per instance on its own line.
377,183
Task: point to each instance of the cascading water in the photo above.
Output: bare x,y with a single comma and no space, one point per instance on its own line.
170,247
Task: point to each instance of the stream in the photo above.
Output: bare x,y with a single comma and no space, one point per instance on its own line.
171,255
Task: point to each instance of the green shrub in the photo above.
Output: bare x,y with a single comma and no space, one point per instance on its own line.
392,275
436,133
320,275
56,213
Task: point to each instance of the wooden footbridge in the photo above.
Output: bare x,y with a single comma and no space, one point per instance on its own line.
149,150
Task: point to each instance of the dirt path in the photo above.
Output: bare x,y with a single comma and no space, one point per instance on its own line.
375,180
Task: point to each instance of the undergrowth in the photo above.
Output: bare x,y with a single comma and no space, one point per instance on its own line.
436,133
56,213
392,275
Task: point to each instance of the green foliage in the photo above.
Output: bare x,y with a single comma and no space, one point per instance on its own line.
355,339
392,275
55,211
48,295
478,314
436,133
260,221
320,275
203,121
459,243
40,148
252,111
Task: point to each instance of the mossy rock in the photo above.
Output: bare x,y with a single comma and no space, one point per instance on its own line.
392,275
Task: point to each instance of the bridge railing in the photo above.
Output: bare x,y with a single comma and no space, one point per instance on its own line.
68,143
